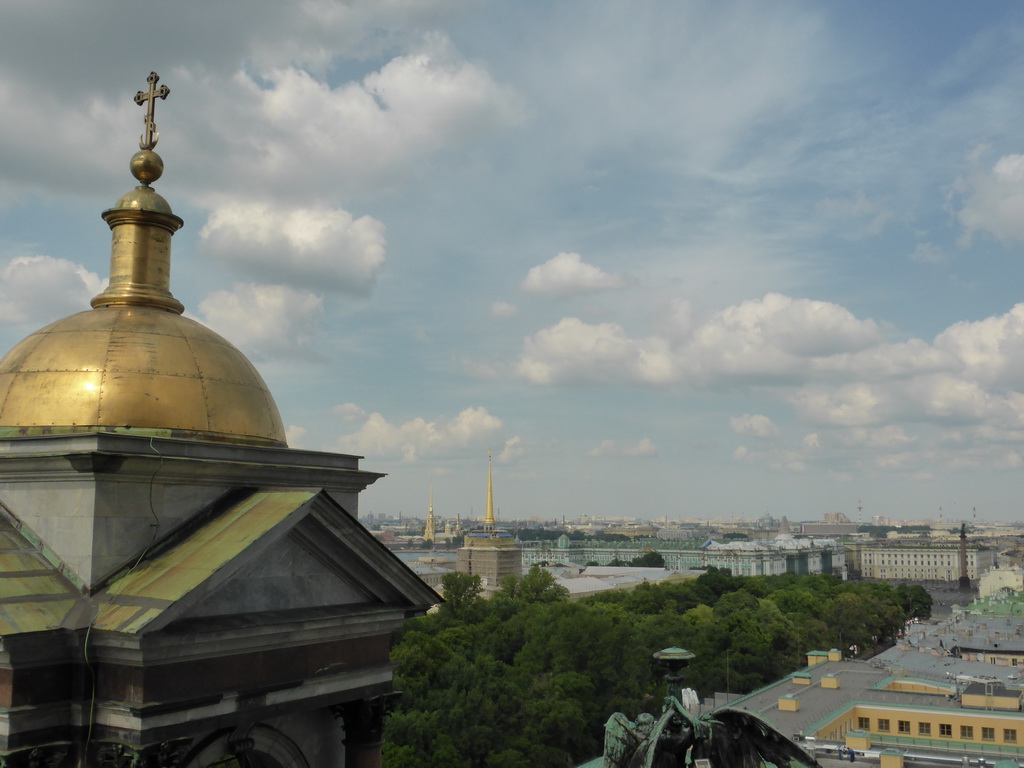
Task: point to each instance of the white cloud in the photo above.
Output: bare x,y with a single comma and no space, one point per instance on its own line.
419,438
575,352
836,372
366,135
512,450
641,448
990,351
269,69
568,275
953,399
993,199
897,360
504,309
40,289
776,337
753,424
306,137
780,325
350,412
265,321
325,249
856,404
887,437
295,436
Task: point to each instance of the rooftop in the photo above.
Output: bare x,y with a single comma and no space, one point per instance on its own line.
923,673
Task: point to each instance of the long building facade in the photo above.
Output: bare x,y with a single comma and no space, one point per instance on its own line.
918,563
746,558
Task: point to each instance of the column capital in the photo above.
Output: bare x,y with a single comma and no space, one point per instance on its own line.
364,718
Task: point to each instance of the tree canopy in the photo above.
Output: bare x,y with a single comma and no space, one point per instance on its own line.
529,678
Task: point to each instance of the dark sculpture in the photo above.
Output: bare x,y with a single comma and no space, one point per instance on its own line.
723,738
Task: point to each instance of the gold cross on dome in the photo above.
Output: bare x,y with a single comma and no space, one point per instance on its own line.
149,139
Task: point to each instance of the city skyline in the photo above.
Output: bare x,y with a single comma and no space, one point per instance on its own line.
696,260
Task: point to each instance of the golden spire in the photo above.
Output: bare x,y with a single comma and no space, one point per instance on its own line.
428,533
142,223
489,521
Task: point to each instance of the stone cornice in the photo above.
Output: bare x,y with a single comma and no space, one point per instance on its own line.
127,458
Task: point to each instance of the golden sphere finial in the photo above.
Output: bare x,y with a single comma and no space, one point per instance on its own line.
146,166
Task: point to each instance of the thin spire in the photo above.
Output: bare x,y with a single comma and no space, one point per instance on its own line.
428,532
489,520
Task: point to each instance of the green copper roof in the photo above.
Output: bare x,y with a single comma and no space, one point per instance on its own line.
143,593
34,595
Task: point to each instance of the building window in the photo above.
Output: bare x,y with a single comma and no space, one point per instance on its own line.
883,725
924,729
988,734
1010,734
903,726
966,732
945,729
864,723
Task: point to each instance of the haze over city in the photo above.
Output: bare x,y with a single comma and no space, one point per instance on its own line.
664,259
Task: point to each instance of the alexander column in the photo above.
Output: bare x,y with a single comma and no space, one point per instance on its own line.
965,580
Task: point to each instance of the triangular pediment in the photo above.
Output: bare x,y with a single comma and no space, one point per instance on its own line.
286,577
274,552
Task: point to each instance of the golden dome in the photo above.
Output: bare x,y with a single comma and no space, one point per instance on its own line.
133,364
135,370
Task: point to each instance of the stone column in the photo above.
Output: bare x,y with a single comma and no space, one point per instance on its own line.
364,730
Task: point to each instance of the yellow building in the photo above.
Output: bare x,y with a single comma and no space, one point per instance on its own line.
919,563
864,707
933,693
1001,579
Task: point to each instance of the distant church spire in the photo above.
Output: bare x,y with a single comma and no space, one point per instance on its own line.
489,521
428,533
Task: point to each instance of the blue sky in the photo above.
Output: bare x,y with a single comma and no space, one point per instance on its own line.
676,259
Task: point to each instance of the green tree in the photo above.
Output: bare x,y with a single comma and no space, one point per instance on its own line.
528,678
915,600
461,593
650,559
536,586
